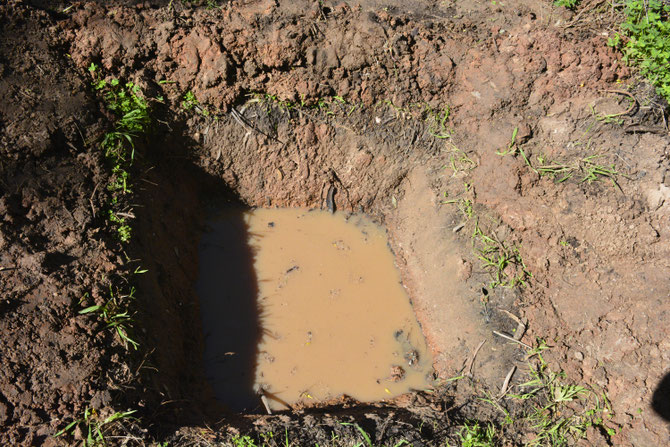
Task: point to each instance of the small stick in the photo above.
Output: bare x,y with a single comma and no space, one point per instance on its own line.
235,114
90,199
472,359
633,129
265,403
512,339
149,182
622,92
503,389
521,326
511,315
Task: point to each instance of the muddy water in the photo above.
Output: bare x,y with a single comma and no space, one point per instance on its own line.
331,318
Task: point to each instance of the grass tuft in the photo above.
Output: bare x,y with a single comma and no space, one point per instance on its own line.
93,427
502,260
587,169
115,314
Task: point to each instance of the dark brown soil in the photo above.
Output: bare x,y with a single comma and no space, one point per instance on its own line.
360,78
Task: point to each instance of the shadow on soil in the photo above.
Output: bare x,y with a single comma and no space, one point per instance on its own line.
660,401
191,376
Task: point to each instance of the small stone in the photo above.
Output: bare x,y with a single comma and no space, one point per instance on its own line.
579,356
397,373
524,133
4,413
250,68
464,270
412,357
100,400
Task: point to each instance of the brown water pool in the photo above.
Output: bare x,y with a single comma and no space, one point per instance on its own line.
306,306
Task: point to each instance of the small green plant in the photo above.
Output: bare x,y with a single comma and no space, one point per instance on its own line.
115,314
493,401
93,427
328,106
243,441
646,41
366,437
475,435
189,101
593,171
589,169
123,230
568,4
502,261
464,205
607,118
119,181
132,110
209,4
436,119
398,110
437,122
511,147
459,161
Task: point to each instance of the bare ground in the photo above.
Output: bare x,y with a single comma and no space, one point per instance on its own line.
362,79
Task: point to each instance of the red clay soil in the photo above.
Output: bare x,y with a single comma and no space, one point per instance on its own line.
598,251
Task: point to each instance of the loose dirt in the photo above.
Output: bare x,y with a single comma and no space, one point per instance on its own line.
405,110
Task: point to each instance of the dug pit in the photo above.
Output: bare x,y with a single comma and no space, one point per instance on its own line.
400,108
300,306
229,319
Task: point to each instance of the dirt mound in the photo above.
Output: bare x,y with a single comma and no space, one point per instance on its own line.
465,124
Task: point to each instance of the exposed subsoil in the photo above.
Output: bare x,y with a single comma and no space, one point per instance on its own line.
599,252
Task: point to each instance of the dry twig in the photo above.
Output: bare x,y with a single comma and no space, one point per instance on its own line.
499,334
472,359
520,325
505,385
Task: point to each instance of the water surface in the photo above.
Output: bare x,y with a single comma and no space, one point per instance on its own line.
332,317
